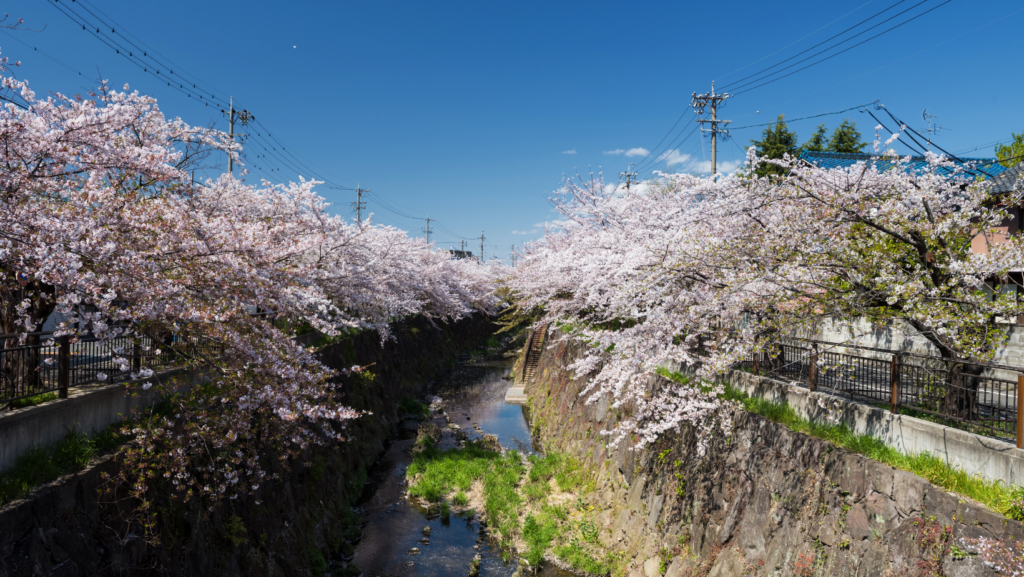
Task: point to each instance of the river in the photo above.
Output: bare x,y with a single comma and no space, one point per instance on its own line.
472,393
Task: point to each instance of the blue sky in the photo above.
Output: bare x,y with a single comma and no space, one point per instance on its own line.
468,111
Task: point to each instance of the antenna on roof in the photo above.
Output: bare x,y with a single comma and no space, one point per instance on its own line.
931,128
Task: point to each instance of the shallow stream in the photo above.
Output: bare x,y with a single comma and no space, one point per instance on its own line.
473,393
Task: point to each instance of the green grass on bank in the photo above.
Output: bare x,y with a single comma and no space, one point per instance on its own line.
1007,500
42,464
33,400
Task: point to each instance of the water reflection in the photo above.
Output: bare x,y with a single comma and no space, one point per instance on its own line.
474,393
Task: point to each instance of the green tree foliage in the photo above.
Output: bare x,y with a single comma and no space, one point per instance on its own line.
817,142
1010,155
776,141
846,138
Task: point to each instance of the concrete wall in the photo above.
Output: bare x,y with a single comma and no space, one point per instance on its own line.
87,409
988,457
896,337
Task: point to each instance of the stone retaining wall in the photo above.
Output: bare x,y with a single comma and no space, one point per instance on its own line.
292,526
765,500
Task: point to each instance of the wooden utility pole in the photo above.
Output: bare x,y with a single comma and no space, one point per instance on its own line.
482,238
713,101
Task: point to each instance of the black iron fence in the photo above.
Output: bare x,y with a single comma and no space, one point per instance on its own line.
983,398
37,363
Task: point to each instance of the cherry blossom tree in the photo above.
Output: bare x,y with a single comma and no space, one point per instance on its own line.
100,222
706,271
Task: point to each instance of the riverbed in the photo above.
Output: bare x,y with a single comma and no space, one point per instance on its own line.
474,393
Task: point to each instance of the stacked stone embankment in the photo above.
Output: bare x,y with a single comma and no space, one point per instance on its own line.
764,500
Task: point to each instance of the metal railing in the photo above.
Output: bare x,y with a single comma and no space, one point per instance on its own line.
36,363
962,394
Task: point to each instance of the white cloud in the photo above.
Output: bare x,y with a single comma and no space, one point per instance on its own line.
557,223
570,151
534,231
672,157
689,164
638,151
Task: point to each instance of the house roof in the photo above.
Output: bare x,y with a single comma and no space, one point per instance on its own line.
1006,181
984,167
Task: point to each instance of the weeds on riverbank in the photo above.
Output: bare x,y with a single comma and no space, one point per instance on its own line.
42,464
1006,500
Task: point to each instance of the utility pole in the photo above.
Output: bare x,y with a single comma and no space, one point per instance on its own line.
244,117
713,101
426,229
463,246
359,205
514,254
482,237
630,176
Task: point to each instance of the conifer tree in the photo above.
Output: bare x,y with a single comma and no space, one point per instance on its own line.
817,142
846,138
777,141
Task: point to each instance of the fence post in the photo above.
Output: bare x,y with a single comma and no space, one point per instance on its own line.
1020,411
812,377
756,355
63,366
894,377
136,356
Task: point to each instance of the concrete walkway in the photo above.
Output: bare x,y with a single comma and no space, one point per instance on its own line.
515,396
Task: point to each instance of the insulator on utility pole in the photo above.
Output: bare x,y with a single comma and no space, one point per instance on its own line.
712,101
426,229
629,175
359,205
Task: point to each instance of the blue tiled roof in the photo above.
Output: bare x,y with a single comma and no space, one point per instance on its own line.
984,167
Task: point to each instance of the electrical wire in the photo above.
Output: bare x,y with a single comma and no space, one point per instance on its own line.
841,51
805,117
826,41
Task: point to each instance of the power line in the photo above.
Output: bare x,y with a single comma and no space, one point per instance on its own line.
800,39
826,41
805,117
841,51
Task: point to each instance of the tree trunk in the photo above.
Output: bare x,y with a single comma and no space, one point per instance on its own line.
961,398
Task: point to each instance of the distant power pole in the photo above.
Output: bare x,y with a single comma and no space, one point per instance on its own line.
482,237
711,100
463,246
628,175
244,117
426,229
359,205
513,255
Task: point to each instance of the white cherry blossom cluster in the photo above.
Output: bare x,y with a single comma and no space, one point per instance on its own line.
707,271
100,222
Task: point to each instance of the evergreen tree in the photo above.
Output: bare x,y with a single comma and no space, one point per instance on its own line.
817,142
1012,154
846,138
776,141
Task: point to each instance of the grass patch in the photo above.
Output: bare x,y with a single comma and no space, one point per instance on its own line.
460,499
1007,500
441,472
413,408
33,400
41,464
578,558
538,532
